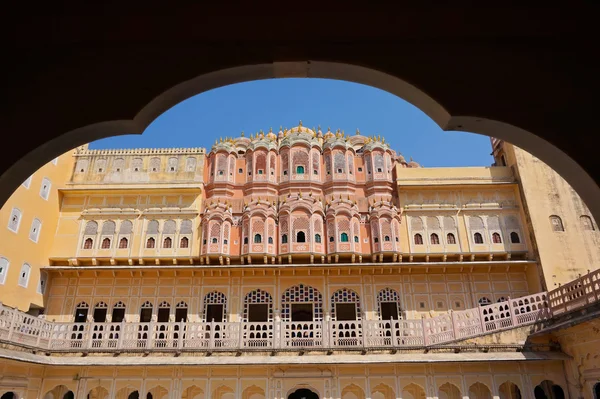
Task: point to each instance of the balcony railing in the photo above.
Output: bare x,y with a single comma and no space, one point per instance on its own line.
24,330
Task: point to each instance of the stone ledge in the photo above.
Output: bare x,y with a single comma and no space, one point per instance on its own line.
183,360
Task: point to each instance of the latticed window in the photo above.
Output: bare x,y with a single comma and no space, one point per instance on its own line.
434,239
109,227
106,243
355,238
418,239
91,228
184,242
257,238
152,227
215,306
344,237
88,243
318,238
169,227
284,239
416,223
123,243
126,227
388,304
186,227
345,296
300,237
300,170
450,239
484,301
150,243
301,294
167,242
258,297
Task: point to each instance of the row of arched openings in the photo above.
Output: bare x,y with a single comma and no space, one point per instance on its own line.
299,303
434,239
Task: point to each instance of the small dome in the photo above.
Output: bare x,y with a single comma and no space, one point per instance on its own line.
400,158
413,164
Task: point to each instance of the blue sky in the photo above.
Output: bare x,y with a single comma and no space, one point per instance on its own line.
257,105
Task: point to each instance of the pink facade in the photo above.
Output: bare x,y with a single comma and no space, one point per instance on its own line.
300,196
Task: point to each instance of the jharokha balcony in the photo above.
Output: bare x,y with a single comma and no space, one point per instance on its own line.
22,330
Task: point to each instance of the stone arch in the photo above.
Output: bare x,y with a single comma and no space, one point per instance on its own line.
413,391
449,391
158,392
258,296
9,395
301,293
223,392
383,391
345,295
215,298
253,392
98,392
509,390
160,102
127,392
302,389
59,392
479,390
547,389
193,392
352,391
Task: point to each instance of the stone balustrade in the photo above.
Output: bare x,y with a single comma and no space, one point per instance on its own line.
21,329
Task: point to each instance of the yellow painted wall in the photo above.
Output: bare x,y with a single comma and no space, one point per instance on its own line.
17,247
563,254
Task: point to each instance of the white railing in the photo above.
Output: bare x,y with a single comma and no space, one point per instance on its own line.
24,330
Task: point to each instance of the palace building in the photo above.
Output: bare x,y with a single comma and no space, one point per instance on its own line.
297,264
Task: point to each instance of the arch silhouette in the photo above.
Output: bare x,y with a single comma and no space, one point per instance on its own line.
413,391
303,393
479,390
570,170
98,392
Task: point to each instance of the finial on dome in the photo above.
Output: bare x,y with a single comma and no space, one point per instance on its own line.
242,133
379,138
271,130
357,132
299,194
319,127
411,159
300,124
328,129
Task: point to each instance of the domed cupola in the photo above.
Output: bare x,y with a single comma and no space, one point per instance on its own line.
375,142
299,135
328,134
271,136
263,141
227,144
338,139
413,164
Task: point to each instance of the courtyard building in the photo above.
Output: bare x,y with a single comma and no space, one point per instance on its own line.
298,263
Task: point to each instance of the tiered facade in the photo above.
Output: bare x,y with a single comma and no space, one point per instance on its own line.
339,268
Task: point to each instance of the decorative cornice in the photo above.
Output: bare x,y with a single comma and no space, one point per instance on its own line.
142,151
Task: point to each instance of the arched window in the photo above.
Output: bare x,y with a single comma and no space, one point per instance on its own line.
514,238
270,240
3,269
150,243
450,239
106,243
376,239
355,238
478,238
318,238
300,236
587,223
300,170
45,188
331,239
34,232
257,238
557,224
24,275
214,240
184,242
123,243
484,300
344,237
418,239
386,238
496,239
167,242
434,239
15,220
88,243
284,239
